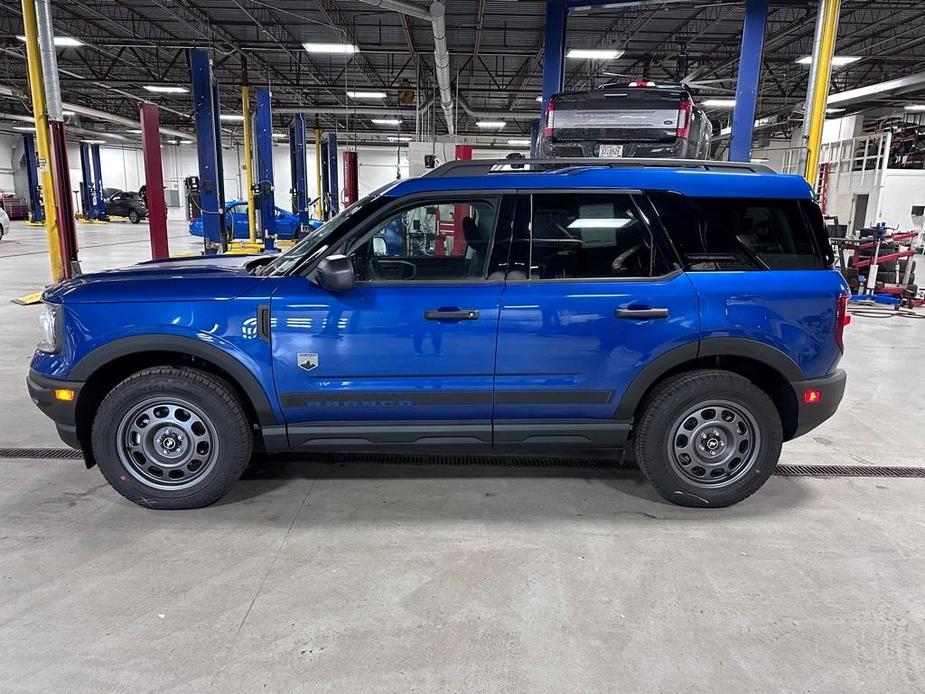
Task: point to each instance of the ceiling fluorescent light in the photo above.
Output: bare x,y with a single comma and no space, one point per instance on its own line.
61,41
94,142
186,142
913,107
367,95
279,135
399,138
234,117
831,111
24,128
165,89
519,143
837,60
134,131
491,124
594,53
720,103
387,121
338,48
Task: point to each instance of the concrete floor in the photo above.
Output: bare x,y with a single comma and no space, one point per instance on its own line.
383,578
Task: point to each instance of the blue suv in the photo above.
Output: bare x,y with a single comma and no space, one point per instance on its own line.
684,311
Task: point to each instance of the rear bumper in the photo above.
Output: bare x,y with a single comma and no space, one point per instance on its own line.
590,149
831,389
62,413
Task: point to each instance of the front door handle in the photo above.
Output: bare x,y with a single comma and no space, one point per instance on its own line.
641,313
449,314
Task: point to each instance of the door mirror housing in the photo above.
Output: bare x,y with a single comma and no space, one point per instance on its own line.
335,273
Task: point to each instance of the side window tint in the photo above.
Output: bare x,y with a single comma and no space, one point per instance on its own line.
590,236
739,233
436,241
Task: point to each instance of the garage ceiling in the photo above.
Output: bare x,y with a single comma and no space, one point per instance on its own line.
495,47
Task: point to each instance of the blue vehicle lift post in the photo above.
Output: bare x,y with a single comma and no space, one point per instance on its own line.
98,184
333,189
752,50
323,193
87,189
266,203
36,208
299,168
208,149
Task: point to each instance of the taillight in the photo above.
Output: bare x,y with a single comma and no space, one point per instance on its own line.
549,130
684,118
841,320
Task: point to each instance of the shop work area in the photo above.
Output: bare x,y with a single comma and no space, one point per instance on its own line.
462,347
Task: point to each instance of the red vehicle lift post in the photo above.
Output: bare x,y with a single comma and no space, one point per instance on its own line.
154,181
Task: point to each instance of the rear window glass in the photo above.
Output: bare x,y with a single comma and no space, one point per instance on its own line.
741,233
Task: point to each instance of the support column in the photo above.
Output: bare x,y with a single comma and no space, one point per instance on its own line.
87,202
248,154
554,49
98,200
333,182
154,181
817,92
208,149
36,209
750,56
299,169
265,196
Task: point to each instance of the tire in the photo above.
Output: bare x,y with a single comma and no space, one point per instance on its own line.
172,438
2,232
134,217
718,404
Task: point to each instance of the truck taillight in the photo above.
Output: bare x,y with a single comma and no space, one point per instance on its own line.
841,320
684,118
549,127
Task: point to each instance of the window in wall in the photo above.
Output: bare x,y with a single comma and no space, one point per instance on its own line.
433,241
590,236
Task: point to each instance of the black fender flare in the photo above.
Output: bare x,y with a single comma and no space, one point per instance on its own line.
138,344
711,347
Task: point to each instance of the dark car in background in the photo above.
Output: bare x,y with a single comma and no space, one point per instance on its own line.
640,118
127,204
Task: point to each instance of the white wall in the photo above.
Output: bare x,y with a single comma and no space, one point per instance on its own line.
901,190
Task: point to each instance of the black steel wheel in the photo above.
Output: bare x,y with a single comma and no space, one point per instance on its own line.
707,438
172,438
134,217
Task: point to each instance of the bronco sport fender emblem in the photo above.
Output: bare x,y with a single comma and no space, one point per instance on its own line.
308,360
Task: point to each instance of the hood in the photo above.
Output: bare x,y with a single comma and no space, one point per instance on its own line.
199,278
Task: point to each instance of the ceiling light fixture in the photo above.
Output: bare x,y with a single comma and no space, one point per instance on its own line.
337,48
593,53
519,143
234,117
165,89
387,121
837,60
24,128
913,107
720,103
61,41
367,95
94,142
491,124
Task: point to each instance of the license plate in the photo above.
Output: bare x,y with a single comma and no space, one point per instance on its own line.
610,152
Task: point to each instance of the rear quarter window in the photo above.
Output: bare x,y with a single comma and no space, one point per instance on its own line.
743,233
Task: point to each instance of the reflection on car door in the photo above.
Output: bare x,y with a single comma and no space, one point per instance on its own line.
407,355
597,297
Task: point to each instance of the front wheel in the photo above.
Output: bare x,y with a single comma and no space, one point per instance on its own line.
134,217
172,438
708,438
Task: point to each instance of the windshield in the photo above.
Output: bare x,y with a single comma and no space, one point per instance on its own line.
312,244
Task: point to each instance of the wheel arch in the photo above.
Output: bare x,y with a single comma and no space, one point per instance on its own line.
767,367
108,365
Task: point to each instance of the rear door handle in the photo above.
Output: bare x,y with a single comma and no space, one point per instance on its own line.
452,314
641,313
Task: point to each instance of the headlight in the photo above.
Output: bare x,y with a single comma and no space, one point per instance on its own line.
48,320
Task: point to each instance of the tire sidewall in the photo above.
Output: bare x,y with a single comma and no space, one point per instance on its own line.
677,397
233,448
134,217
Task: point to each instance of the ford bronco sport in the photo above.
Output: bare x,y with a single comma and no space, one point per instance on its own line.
685,310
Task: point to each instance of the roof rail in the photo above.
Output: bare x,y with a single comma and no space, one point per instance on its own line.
475,167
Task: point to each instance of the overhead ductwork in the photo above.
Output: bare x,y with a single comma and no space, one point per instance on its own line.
496,115
437,17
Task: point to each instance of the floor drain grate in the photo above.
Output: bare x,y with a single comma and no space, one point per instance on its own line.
848,471
42,453
507,461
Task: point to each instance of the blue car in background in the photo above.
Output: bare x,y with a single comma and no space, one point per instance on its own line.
287,224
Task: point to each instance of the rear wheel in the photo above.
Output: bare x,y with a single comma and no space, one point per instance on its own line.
134,217
708,438
172,438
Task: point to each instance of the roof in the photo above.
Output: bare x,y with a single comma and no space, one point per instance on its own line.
681,179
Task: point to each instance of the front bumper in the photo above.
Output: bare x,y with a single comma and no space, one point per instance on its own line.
62,412
831,389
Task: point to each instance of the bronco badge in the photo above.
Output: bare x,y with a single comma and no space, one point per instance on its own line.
308,360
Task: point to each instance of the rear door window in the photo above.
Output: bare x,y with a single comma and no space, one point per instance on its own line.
740,233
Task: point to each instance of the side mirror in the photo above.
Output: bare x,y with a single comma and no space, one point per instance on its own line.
335,273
